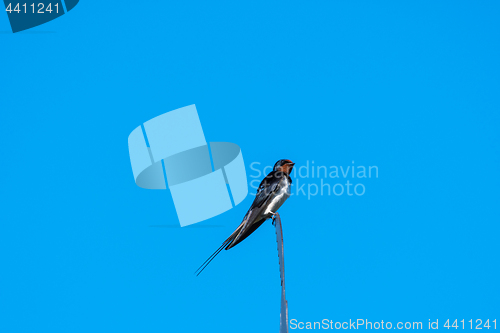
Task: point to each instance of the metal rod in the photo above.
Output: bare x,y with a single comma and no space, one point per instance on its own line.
281,257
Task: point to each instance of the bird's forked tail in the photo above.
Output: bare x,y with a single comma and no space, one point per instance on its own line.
226,243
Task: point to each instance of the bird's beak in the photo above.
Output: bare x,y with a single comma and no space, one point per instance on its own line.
292,164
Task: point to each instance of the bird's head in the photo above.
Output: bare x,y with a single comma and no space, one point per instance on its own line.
284,166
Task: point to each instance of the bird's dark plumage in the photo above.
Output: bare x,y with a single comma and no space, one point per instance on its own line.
271,194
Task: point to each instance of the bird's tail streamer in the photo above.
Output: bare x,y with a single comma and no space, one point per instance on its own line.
224,245
205,264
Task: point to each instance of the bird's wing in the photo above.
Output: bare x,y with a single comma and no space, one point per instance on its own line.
267,188
251,221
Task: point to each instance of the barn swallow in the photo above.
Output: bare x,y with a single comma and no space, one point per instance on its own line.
271,194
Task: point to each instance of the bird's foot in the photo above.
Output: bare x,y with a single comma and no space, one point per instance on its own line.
273,217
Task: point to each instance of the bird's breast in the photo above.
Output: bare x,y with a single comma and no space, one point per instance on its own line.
279,198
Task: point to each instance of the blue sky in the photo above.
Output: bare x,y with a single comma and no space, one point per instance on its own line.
411,88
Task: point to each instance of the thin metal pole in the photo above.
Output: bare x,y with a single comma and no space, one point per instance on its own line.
281,257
